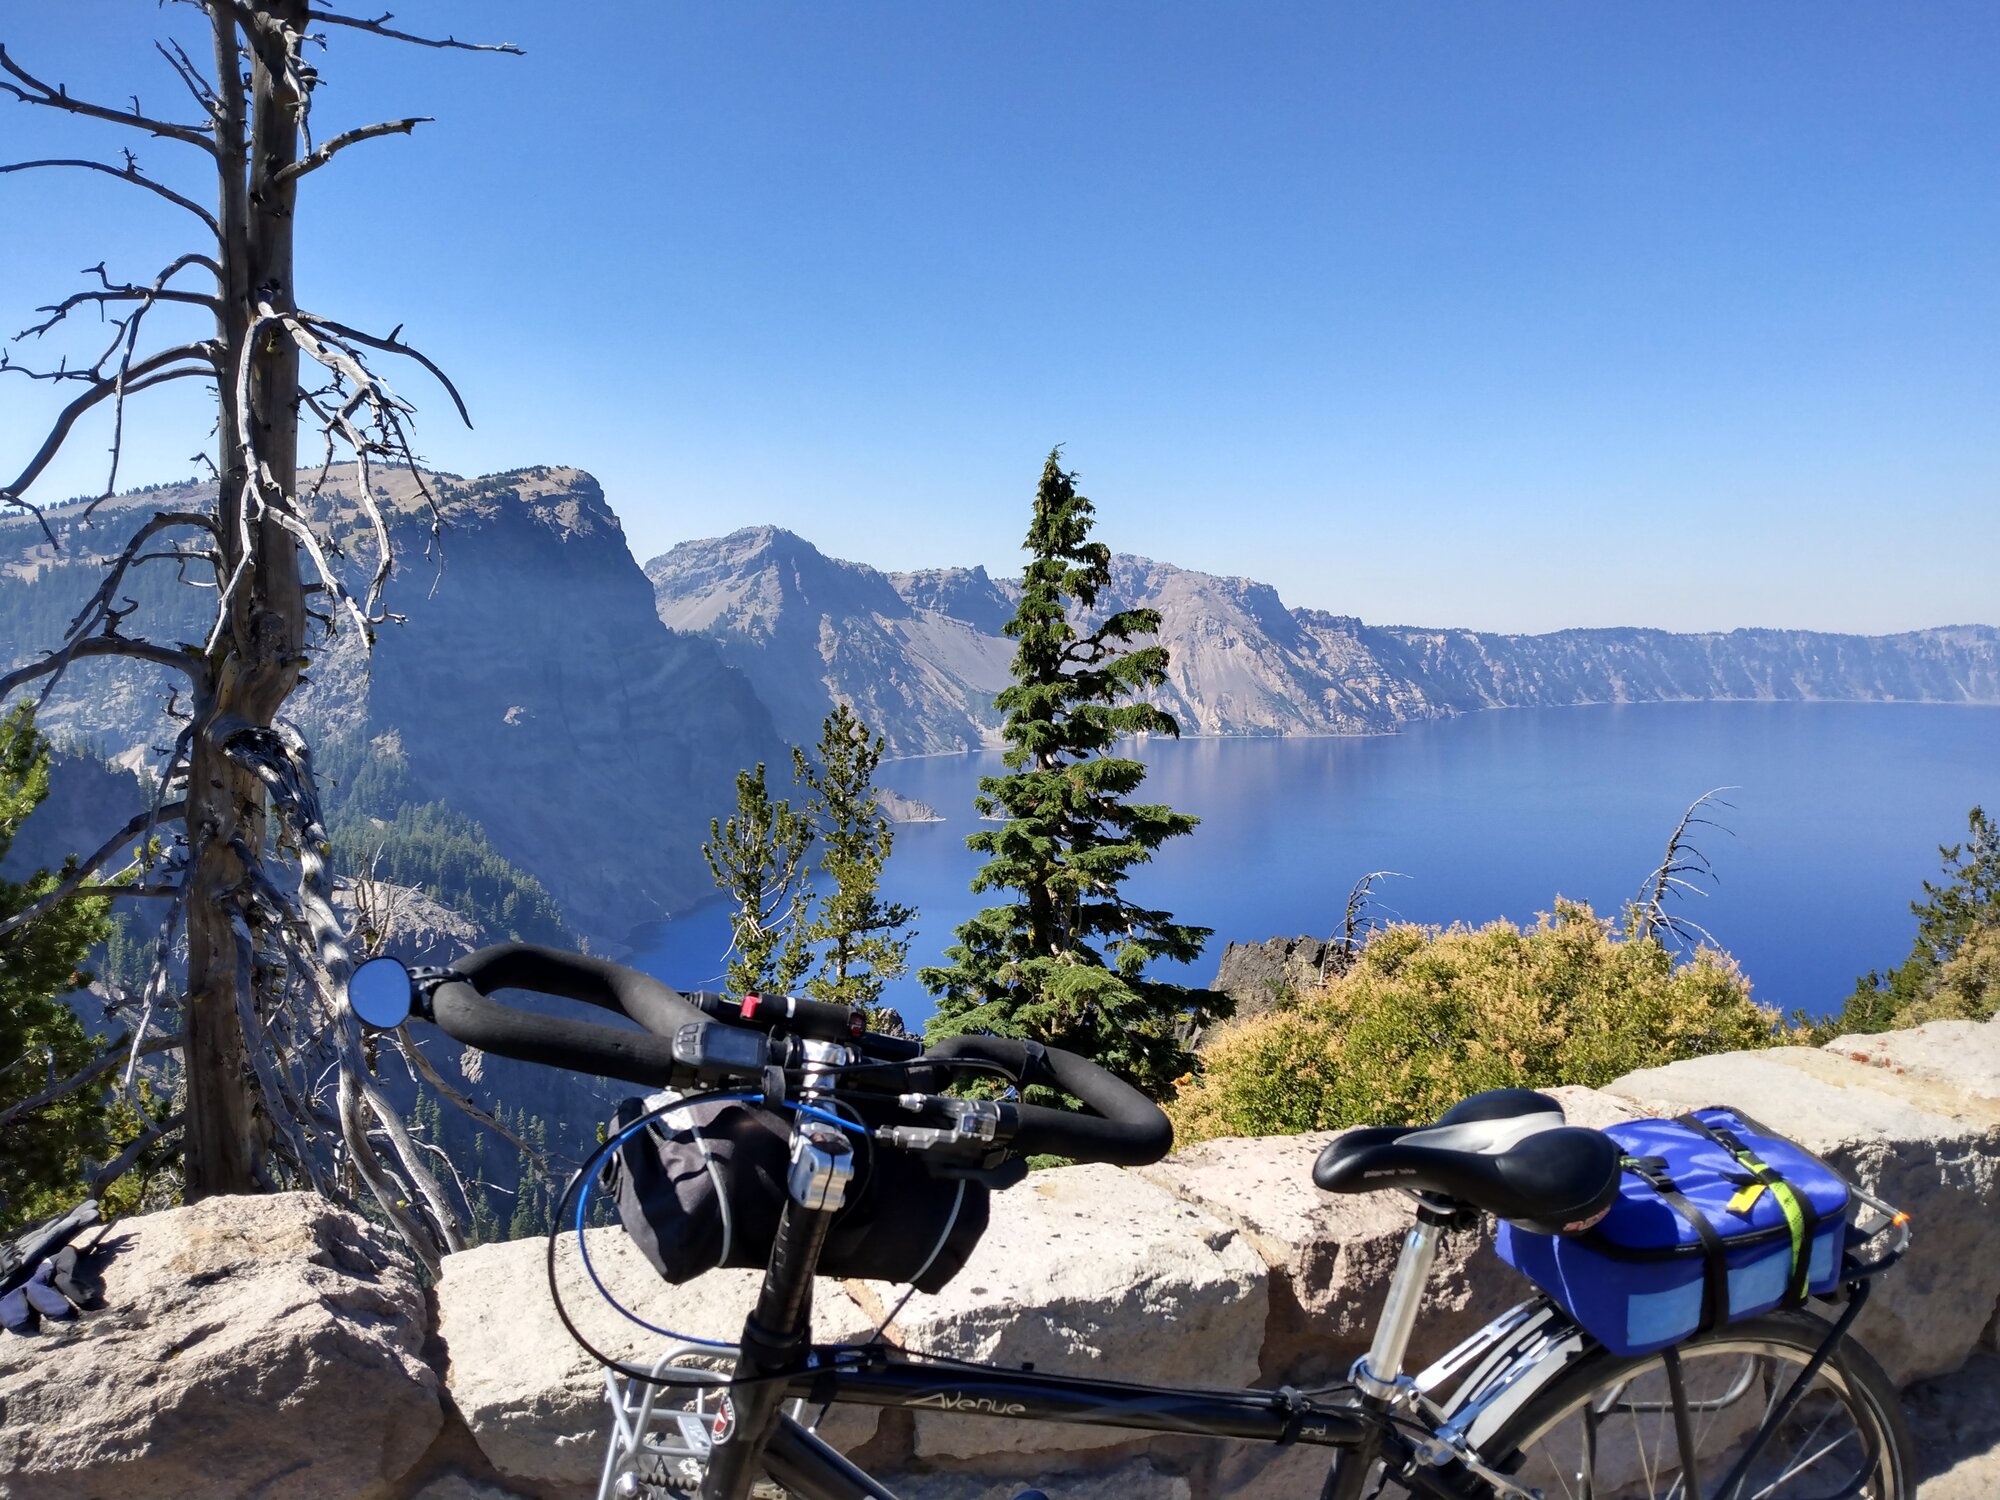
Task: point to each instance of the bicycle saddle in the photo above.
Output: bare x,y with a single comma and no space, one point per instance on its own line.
1506,1151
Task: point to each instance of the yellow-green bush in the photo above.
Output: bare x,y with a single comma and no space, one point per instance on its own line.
1425,1016
1966,987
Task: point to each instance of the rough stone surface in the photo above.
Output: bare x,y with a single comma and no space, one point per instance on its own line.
1928,1147
454,1486
1955,1430
267,1346
1960,1055
534,1401
1331,1258
1135,1479
1095,1271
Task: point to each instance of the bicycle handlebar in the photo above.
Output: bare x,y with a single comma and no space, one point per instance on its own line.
462,1010
1127,1129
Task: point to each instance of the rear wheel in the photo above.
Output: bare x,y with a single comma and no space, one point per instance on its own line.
1605,1430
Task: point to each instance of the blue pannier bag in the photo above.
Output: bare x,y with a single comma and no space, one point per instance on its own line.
1716,1219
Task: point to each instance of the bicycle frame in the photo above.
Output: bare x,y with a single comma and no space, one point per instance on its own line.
1347,1417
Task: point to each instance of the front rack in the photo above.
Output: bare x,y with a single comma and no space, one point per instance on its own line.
660,1452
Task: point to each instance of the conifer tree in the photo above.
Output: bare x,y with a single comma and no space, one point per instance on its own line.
858,937
41,1039
758,859
1064,962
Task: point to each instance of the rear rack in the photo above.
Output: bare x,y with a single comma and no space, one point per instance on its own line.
1871,1218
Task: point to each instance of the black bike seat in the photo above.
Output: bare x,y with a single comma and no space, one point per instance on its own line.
1507,1151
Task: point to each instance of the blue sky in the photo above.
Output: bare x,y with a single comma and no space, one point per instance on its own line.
1516,316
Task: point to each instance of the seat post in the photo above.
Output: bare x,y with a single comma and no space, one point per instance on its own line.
1377,1371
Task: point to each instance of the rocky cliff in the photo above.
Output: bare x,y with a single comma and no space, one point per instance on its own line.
531,685
279,1348
920,655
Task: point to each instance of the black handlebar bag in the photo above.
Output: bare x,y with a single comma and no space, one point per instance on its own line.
701,1186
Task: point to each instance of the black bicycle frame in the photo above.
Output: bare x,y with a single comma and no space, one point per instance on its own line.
807,1467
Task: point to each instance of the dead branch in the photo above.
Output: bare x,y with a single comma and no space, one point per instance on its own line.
1680,872
31,90
380,27
128,173
100,646
79,878
119,1165
184,69
421,1065
155,370
391,345
1355,924
97,1067
326,152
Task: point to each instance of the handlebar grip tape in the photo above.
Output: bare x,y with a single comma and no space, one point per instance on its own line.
1127,1130
464,1013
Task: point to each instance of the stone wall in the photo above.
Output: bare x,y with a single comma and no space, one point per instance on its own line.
274,1347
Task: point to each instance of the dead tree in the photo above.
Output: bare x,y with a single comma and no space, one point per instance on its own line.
1357,921
1680,872
258,1020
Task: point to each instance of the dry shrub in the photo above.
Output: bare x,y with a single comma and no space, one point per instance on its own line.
1426,1016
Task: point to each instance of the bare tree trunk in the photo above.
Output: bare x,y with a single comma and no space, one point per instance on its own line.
257,664
255,1033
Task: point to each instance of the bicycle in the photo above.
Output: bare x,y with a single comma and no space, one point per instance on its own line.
1783,1406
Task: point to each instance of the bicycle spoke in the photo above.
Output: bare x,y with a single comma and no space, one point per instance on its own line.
1830,1453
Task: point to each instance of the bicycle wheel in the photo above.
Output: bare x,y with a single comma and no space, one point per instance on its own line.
1605,1429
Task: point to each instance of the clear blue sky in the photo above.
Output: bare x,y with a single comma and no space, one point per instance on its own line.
1516,316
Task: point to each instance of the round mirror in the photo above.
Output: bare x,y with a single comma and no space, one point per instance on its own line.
379,993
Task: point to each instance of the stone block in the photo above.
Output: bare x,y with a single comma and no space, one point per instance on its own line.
1095,1271
534,1401
268,1346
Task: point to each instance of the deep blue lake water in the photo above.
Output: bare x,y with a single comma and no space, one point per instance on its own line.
1838,812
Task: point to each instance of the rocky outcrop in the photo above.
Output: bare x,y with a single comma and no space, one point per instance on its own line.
530,685
247,1346
1219,1266
900,809
1258,976
919,655
809,631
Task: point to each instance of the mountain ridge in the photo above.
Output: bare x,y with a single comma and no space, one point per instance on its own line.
919,655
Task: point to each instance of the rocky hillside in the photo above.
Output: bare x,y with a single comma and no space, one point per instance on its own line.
920,655
531,687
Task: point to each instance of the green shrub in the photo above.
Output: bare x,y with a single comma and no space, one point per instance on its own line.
1426,1016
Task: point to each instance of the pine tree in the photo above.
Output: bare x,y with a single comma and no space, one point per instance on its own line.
1034,968
1953,914
758,859
855,934
41,1040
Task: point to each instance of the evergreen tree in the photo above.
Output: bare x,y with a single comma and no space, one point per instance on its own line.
41,1040
758,858
855,934
1070,836
1957,915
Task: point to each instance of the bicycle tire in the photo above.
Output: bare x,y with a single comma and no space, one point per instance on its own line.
1851,1376
1873,1464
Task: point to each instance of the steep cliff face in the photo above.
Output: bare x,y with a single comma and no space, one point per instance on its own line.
920,654
809,630
534,689
531,685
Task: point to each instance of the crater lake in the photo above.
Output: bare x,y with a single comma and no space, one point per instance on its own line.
1835,817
